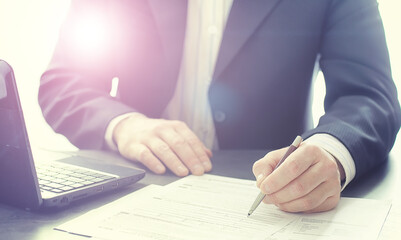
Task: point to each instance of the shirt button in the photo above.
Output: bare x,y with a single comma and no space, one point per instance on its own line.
219,116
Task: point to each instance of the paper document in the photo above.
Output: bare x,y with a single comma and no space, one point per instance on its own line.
391,229
352,219
214,207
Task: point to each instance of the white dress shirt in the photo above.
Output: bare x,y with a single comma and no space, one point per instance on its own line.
205,26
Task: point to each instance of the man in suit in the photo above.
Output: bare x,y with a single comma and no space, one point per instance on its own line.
199,75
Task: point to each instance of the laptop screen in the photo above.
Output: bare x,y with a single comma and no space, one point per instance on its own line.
18,183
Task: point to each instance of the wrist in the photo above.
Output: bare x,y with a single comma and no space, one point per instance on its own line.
337,149
119,129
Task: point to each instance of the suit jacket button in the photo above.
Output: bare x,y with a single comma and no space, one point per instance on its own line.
219,116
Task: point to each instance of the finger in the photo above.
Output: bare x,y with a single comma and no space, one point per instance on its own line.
314,199
261,170
265,166
297,163
142,154
182,150
303,184
167,156
203,154
198,148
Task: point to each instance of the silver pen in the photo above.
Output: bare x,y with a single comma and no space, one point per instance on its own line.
261,195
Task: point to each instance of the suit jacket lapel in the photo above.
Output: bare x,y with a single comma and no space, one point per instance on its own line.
170,17
244,18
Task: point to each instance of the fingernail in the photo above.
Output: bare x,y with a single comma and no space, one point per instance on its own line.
260,177
197,169
207,165
159,169
182,170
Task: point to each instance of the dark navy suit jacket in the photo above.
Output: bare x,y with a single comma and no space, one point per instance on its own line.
260,92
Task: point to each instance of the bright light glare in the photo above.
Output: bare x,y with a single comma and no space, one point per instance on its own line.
90,34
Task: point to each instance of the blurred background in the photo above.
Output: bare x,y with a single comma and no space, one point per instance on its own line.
29,31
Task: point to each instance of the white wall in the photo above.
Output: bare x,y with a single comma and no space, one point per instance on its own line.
28,32
391,15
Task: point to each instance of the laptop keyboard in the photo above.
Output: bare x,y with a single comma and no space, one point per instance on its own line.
58,178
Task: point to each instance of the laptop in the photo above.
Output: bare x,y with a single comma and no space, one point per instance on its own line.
51,184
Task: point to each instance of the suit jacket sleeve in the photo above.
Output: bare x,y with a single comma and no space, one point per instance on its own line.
74,90
361,106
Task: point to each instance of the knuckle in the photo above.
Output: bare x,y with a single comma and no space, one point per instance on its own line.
144,155
162,148
256,166
188,161
143,138
201,156
192,141
294,167
311,150
178,124
178,142
270,184
169,160
298,188
159,129
265,164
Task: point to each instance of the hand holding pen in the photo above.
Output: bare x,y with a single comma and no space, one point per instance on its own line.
309,179
262,195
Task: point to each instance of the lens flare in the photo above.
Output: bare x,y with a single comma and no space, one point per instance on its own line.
90,34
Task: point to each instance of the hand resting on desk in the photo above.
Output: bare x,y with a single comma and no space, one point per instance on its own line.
159,143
